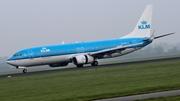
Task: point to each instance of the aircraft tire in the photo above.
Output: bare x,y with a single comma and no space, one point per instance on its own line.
95,63
24,70
79,65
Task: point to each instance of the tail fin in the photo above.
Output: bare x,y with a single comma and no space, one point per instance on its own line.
143,27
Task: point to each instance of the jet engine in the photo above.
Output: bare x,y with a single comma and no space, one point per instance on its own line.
82,59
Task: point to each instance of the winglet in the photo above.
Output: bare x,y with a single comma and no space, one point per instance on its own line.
152,35
62,42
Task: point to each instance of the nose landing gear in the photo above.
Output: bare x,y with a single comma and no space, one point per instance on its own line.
22,67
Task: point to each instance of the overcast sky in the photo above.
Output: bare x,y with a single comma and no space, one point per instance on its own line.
28,23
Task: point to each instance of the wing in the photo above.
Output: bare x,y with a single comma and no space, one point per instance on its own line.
118,49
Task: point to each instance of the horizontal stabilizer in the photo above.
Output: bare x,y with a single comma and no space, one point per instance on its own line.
163,35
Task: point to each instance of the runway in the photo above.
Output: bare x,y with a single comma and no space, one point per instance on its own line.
87,67
144,96
125,98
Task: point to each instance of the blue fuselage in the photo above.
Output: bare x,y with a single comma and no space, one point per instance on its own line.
75,48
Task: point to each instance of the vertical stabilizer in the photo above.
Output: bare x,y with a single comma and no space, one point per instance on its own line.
143,26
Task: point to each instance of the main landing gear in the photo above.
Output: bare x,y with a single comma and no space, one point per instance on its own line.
95,63
24,70
79,65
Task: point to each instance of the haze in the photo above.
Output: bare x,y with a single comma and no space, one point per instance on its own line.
29,23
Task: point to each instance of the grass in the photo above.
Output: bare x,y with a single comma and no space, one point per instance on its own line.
90,84
171,98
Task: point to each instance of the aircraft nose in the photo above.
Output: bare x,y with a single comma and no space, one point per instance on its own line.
9,62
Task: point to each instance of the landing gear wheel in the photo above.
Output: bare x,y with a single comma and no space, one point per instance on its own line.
95,63
24,70
79,65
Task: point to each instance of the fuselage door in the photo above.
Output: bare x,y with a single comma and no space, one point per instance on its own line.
31,55
134,42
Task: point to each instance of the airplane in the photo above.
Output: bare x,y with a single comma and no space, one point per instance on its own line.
81,53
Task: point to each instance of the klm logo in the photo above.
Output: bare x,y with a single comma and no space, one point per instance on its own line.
83,58
45,50
144,25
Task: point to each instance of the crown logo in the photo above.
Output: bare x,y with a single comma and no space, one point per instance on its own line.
44,49
143,22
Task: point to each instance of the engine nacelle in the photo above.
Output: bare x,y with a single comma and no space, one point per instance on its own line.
82,59
58,64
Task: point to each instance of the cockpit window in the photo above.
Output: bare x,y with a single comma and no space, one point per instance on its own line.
16,55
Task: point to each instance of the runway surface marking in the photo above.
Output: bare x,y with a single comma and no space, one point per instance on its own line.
144,96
